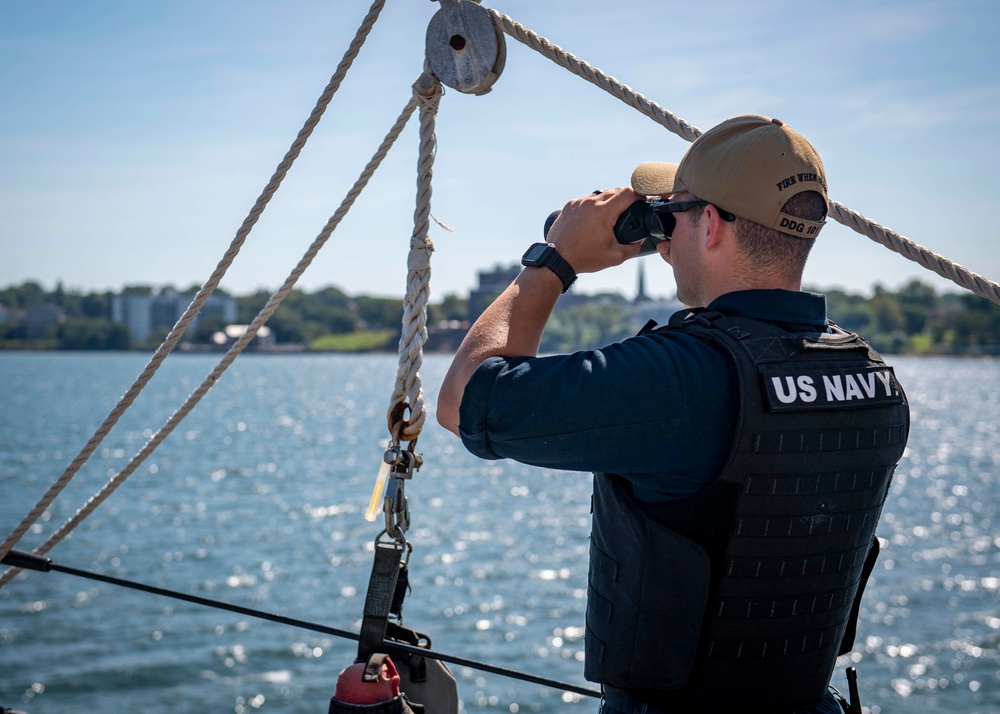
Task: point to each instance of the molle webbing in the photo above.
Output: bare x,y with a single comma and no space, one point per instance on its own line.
792,517
812,483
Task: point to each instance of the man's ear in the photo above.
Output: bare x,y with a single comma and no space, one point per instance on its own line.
717,228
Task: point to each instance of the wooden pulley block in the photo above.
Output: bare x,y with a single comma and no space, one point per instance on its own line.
465,50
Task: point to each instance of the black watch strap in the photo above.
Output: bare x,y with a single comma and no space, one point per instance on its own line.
545,255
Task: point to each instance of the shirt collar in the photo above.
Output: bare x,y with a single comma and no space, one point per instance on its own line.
786,306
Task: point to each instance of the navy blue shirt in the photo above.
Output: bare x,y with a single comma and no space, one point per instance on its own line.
659,408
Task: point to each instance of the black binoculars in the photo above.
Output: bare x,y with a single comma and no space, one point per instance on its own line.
639,222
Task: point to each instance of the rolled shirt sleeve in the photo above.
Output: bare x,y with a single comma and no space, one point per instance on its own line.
625,408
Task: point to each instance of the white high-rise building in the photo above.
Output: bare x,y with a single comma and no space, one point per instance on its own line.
145,313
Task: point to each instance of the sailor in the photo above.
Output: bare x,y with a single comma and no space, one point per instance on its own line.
741,453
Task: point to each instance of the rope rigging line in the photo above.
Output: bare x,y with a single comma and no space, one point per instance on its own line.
237,347
28,560
595,76
407,393
917,253
893,241
207,289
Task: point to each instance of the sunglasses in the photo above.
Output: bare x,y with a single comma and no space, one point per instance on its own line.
655,219
661,206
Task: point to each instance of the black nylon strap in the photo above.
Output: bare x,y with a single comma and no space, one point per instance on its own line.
381,588
373,668
399,594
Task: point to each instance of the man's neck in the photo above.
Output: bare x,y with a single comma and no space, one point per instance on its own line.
732,284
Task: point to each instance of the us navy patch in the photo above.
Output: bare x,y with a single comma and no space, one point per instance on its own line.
817,388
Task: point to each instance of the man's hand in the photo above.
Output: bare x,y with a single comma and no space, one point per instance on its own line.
584,232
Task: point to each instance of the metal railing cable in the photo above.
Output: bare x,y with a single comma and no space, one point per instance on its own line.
893,241
115,481
28,560
205,292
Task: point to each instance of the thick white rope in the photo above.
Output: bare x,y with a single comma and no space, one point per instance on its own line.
207,289
917,253
595,76
893,241
408,393
236,349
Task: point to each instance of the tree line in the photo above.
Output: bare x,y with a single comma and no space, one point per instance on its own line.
912,320
918,320
32,317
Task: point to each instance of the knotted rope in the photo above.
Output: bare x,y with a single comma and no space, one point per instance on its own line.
408,393
893,241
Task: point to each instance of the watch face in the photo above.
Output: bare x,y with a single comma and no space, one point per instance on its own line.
535,252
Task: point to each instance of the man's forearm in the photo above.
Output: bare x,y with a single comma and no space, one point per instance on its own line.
511,327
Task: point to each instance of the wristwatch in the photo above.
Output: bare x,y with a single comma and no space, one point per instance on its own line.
545,255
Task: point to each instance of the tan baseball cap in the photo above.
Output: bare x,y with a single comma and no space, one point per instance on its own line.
654,178
749,165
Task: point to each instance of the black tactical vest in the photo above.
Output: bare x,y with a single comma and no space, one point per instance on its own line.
742,596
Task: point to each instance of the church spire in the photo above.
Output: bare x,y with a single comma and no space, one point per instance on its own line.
640,294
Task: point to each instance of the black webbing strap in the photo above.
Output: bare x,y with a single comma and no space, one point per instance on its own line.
399,595
373,668
381,589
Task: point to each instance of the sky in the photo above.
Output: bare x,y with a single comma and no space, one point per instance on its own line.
136,136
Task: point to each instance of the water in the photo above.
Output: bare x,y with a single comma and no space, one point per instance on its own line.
257,500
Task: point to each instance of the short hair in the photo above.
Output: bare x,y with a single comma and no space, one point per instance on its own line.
768,249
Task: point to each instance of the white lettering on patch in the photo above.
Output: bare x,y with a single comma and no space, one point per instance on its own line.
794,389
834,388
883,377
807,392
779,391
853,391
818,389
